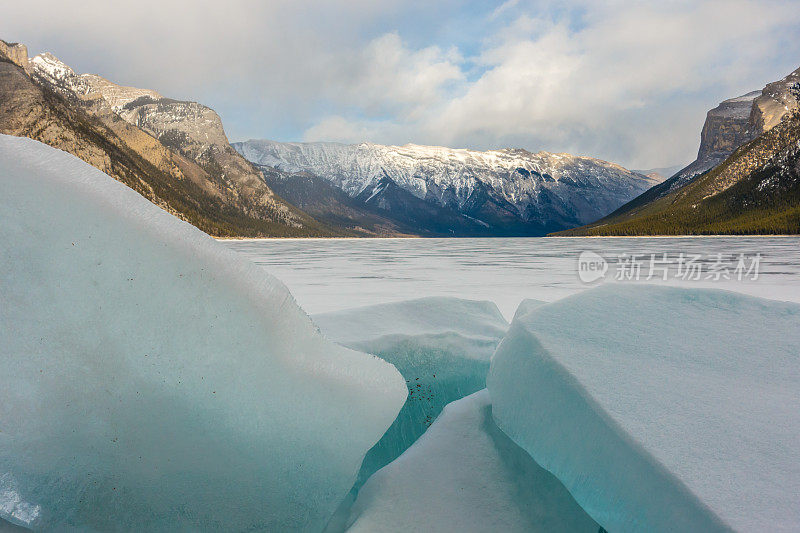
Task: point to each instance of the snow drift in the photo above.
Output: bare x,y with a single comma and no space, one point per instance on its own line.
465,475
152,380
660,409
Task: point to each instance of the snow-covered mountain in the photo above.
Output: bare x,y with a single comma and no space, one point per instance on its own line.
508,191
50,70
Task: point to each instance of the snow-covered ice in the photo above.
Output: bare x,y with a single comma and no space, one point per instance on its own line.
465,475
432,316
332,274
152,380
660,409
526,306
442,346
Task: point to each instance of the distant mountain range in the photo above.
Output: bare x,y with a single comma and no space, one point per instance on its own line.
745,180
176,154
432,190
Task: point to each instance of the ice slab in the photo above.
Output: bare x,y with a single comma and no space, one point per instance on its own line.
152,380
436,315
441,345
660,409
466,475
526,306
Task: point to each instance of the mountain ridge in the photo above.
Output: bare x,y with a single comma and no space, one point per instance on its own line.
509,191
46,100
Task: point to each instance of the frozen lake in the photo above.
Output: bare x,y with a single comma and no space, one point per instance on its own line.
330,274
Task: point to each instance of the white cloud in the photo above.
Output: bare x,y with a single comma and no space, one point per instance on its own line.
631,83
626,81
386,76
506,6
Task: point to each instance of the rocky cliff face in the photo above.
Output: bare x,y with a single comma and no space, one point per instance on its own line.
191,129
196,131
736,121
494,192
753,190
727,127
47,69
17,53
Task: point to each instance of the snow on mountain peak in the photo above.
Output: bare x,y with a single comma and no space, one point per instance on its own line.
529,186
56,73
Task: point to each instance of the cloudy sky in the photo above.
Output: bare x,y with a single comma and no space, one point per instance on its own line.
625,81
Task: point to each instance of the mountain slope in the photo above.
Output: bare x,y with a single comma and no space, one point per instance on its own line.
45,100
332,206
743,193
736,121
462,192
755,191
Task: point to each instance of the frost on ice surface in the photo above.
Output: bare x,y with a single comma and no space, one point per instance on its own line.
152,380
466,475
441,345
660,409
13,507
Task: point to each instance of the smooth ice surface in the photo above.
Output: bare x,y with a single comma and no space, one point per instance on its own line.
152,380
332,274
464,474
432,316
660,409
526,306
442,346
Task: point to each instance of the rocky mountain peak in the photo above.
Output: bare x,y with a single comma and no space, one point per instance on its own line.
16,52
775,102
48,69
189,127
737,121
726,128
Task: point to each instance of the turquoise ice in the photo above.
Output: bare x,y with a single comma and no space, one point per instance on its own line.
441,345
152,380
466,475
660,409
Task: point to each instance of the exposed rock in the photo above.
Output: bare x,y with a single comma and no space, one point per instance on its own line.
726,128
189,129
775,102
16,52
756,190
56,106
191,126
737,121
